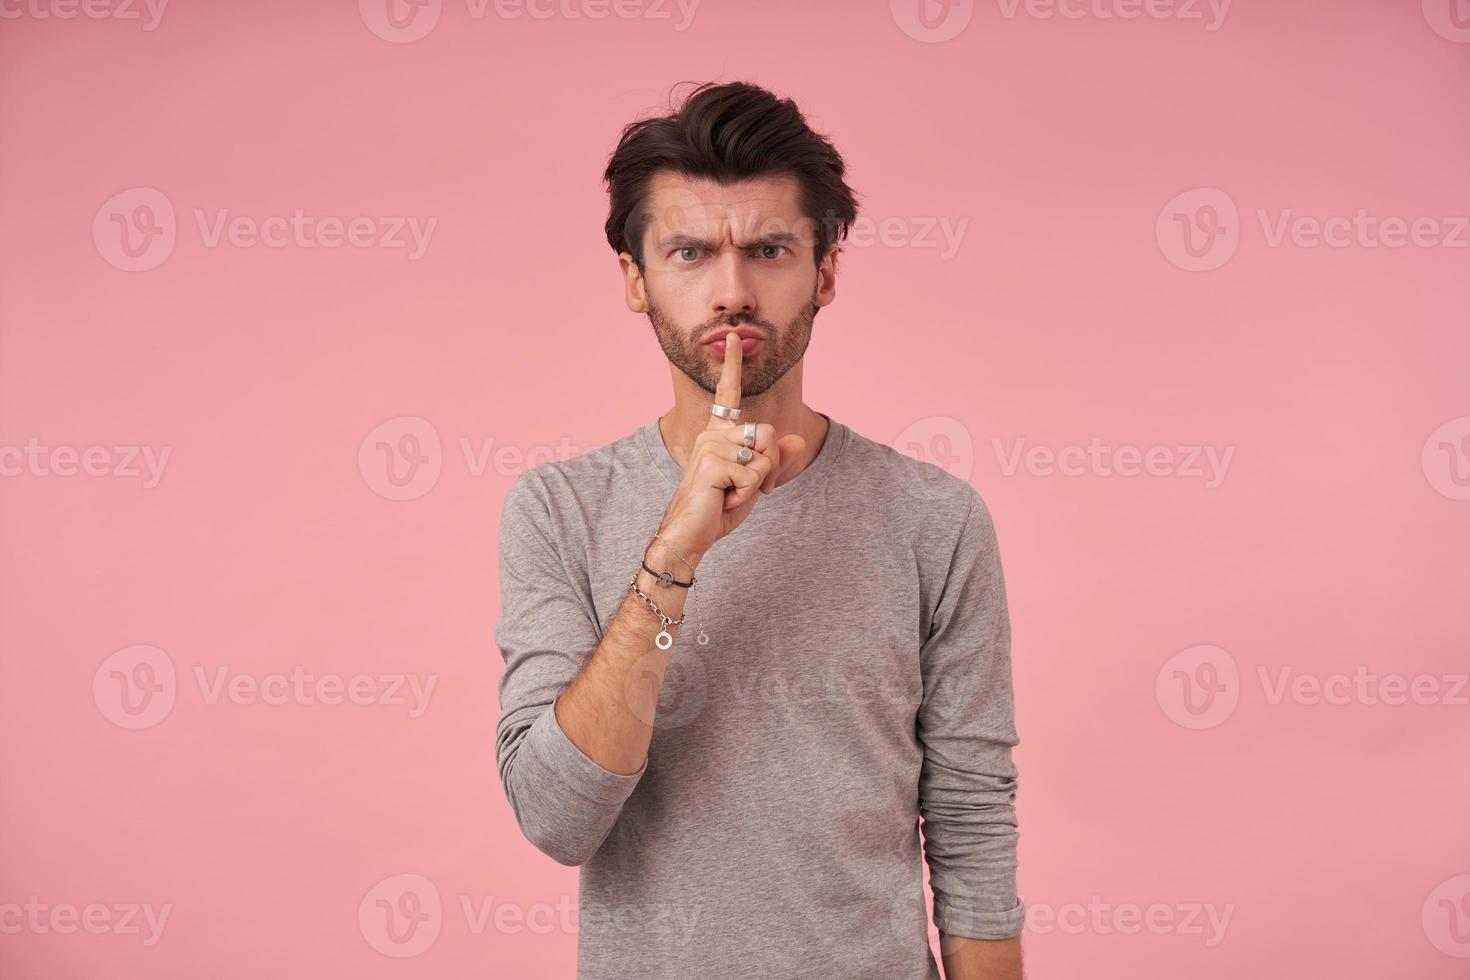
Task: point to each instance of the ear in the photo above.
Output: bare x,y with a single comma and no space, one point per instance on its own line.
634,292
827,277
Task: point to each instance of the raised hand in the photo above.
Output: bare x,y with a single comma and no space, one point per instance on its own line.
718,492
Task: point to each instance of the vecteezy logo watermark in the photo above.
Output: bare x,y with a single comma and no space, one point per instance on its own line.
935,21
1200,229
1446,916
402,458
1199,687
136,230
668,690
932,21
1450,19
1446,458
404,21
40,918
1206,463
122,462
148,12
941,440
401,916
137,687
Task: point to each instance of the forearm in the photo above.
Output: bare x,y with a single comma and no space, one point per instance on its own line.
980,959
608,709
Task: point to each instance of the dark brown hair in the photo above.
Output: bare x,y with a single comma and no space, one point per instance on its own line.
727,132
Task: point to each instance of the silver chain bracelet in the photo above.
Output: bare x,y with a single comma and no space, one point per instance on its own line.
664,639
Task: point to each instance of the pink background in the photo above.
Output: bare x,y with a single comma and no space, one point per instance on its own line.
1161,771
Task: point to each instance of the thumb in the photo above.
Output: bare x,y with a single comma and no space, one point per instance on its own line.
791,446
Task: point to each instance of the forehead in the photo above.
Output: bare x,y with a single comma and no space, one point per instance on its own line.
712,210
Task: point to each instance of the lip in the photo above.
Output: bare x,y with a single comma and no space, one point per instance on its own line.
750,339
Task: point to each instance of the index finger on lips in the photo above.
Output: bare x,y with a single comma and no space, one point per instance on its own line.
727,392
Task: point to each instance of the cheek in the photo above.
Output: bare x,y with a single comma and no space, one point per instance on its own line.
678,292
789,289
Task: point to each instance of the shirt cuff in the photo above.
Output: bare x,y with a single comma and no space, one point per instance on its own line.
980,925
553,751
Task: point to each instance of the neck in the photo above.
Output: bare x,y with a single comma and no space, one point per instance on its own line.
779,406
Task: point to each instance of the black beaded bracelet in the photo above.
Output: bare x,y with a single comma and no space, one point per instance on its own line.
667,579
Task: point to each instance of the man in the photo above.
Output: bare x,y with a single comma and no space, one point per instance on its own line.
746,648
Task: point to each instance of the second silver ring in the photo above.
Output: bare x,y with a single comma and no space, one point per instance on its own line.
747,435
744,455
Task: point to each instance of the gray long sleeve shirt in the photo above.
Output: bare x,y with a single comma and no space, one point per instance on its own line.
856,680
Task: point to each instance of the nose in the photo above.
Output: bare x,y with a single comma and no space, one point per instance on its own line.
731,289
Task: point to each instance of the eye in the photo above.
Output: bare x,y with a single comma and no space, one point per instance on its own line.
687,248
781,249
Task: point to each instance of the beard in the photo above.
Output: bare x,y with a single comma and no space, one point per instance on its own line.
778,353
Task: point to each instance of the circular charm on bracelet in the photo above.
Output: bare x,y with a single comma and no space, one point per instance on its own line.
745,455
664,639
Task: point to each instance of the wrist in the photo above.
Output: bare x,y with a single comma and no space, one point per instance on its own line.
674,556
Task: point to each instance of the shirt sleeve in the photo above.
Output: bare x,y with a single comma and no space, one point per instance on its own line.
966,722
565,803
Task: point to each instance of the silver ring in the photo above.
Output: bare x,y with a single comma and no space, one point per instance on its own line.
733,414
745,455
748,435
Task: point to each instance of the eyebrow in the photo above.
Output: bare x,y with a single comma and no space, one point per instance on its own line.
687,241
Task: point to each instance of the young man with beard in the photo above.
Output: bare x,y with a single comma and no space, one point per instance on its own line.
747,649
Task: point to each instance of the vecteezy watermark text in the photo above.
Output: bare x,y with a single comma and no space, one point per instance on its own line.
1100,917
148,12
35,459
95,918
1211,13
405,21
935,22
1205,463
301,687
